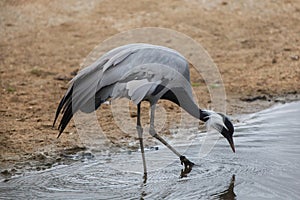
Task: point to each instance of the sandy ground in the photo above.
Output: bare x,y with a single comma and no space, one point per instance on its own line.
255,44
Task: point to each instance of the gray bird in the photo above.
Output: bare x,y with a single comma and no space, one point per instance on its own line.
139,72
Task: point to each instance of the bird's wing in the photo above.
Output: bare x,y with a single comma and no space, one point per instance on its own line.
85,88
136,84
139,89
103,78
119,54
140,82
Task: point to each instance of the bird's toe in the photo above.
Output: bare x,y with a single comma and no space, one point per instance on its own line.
186,162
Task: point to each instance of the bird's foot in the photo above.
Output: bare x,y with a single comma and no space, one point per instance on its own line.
186,162
188,165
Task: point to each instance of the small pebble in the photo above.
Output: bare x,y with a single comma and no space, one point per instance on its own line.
295,57
154,148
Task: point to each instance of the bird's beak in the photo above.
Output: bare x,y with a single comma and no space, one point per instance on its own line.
230,140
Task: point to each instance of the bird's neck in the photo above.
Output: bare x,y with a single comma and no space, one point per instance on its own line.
195,111
185,101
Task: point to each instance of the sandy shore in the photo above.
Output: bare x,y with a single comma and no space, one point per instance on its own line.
256,47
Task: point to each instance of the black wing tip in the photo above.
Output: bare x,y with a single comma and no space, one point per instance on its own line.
60,132
54,122
64,106
67,116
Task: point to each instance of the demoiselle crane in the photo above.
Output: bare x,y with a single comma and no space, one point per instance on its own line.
139,72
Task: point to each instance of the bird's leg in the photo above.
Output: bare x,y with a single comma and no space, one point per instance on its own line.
184,161
140,135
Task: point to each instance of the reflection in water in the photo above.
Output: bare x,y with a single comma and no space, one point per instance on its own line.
143,194
227,194
183,173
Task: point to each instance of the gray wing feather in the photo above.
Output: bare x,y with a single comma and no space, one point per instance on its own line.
137,94
110,77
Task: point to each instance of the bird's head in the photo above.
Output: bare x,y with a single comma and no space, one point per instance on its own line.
221,123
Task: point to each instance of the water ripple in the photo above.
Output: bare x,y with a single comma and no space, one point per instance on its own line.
265,166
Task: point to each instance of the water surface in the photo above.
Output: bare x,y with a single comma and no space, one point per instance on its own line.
265,166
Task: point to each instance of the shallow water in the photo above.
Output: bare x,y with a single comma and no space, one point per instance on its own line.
265,166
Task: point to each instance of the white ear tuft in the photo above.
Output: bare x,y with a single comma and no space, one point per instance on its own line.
214,121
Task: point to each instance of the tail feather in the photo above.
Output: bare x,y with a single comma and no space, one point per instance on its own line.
62,103
68,114
67,108
64,107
